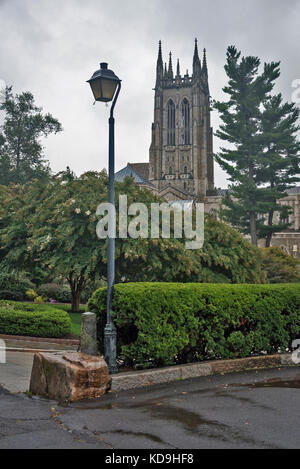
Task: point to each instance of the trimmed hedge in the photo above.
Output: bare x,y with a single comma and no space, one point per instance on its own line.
165,323
33,320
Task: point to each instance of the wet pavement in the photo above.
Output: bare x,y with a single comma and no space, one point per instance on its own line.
27,423
255,409
15,373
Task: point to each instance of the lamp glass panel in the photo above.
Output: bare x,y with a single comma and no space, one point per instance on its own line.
95,85
108,89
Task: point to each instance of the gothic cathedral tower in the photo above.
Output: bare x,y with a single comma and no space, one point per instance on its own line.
182,144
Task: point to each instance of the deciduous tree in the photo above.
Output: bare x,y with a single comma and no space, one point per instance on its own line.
21,150
53,226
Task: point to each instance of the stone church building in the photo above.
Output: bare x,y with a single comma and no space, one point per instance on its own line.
181,163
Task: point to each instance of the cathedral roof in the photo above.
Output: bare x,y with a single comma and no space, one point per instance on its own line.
129,171
177,193
141,168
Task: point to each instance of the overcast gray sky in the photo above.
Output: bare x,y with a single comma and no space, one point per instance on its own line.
51,47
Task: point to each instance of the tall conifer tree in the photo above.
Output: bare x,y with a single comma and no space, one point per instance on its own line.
279,162
241,127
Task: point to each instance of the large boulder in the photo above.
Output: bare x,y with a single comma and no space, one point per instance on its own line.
69,376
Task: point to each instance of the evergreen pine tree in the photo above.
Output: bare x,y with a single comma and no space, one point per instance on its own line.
279,162
241,115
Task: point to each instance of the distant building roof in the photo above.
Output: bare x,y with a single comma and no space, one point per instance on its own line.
141,168
294,190
129,171
222,192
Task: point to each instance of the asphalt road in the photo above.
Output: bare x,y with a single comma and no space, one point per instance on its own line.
255,409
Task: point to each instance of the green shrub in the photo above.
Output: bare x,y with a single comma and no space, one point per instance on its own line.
10,295
40,300
15,282
61,293
33,320
49,290
165,323
31,294
279,266
64,295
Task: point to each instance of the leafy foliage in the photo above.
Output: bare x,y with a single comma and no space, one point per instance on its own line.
279,162
11,295
31,294
262,158
60,293
33,320
41,227
53,226
280,266
15,282
166,323
21,151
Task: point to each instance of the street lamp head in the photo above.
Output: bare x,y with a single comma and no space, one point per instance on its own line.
104,84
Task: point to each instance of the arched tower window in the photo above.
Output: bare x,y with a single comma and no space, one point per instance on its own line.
171,123
214,213
170,170
185,170
185,122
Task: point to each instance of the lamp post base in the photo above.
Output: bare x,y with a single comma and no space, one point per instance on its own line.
110,348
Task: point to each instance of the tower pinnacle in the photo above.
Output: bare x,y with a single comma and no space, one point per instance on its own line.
159,58
170,70
159,66
165,72
178,69
196,61
204,68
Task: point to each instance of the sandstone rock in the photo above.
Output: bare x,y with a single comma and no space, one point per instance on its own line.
69,376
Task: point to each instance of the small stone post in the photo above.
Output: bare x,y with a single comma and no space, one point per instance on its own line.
88,338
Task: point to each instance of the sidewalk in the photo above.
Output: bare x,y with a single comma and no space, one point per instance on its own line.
15,373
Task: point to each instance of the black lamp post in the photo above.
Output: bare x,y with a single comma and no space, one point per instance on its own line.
106,87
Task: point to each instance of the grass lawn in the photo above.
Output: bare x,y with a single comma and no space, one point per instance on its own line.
76,323
75,317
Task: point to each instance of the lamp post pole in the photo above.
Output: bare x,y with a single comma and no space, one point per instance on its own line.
110,335
106,87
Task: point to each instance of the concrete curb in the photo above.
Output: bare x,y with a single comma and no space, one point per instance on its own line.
138,379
